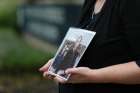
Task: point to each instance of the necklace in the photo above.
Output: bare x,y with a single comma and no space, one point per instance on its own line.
98,6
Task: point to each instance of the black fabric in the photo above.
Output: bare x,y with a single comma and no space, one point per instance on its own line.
138,62
117,41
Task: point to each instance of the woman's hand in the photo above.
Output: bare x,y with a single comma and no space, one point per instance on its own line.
78,75
127,73
45,68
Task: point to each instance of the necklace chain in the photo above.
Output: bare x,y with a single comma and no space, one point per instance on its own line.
99,8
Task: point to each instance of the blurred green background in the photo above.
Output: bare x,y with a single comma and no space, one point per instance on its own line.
19,62
15,53
19,59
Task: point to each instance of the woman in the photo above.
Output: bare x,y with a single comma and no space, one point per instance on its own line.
111,64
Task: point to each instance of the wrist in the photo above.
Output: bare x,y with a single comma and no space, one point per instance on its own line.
98,76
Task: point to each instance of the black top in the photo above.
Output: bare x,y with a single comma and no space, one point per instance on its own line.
116,41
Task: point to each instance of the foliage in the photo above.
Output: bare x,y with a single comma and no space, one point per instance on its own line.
17,55
8,12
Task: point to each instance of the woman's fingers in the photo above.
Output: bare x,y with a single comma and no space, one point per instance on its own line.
48,76
52,77
59,80
72,71
45,74
79,70
46,66
78,75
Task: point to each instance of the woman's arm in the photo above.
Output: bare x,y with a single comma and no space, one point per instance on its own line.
128,73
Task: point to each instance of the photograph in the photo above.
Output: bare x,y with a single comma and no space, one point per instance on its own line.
70,51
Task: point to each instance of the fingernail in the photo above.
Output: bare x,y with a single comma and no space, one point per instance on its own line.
51,76
41,69
67,71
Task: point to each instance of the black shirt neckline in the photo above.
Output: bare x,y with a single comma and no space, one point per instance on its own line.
90,23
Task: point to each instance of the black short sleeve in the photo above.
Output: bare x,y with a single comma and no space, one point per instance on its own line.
138,62
131,21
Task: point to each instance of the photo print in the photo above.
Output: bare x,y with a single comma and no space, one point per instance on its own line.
70,51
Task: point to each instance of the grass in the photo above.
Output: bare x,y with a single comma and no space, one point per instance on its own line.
26,83
16,55
8,12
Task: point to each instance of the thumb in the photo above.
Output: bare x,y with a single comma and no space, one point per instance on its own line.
46,66
73,71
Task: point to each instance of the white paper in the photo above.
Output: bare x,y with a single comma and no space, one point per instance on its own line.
70,51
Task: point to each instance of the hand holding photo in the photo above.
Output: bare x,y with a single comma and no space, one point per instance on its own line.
70,51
